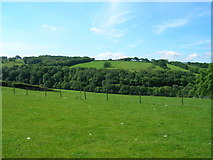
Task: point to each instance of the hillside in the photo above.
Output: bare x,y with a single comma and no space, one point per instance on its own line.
127,65
125,76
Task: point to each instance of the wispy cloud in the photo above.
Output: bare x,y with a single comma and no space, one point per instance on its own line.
108,22
170,55
51,27
108,55
192,56
111,33
197,43
158,29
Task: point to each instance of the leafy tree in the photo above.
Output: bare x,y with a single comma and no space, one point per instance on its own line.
17,57
107,64
124,89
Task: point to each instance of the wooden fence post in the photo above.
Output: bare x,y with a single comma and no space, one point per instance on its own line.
182,99
85,95
107,96
139,97
182,94
26,91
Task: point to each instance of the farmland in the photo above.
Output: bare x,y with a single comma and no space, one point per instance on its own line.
72,127
134,66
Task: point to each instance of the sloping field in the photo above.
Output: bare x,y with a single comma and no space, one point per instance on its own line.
134,66
38,126
176,68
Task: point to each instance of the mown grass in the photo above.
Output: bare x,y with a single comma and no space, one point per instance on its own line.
70,126
134,66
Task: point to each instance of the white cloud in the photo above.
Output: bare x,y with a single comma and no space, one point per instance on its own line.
192,56
108,55
110,33
116,18
109,20
170,55
115,14
98,31
197,43
158,29
50,27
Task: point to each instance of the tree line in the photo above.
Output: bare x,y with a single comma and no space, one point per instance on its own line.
47,60
158,83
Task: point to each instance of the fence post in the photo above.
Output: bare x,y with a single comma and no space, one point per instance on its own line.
85,95
26,91
182,99
45,92
60,92
139,97
107,95
182,94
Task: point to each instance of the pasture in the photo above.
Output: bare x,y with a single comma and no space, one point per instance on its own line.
38,126
127,65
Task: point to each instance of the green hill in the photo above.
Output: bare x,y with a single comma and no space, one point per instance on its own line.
134,66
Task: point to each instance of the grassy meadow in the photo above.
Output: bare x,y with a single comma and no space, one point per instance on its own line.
35,126
127,65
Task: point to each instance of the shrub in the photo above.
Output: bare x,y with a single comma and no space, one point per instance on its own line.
107,65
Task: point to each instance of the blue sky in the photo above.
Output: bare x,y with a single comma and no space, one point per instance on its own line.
174,31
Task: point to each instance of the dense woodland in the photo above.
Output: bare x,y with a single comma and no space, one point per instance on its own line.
54,72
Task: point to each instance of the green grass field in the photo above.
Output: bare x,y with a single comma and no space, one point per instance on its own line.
176,68
134,66
121,127
10,64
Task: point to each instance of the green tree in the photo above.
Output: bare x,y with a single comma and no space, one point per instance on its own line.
124,89
107,64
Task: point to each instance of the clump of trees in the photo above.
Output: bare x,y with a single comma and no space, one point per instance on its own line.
179,64
107,65
56,60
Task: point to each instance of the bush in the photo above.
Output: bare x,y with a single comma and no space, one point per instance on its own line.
107,65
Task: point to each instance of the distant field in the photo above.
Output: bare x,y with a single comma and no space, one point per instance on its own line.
176,68
71,127
10,64
134,66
